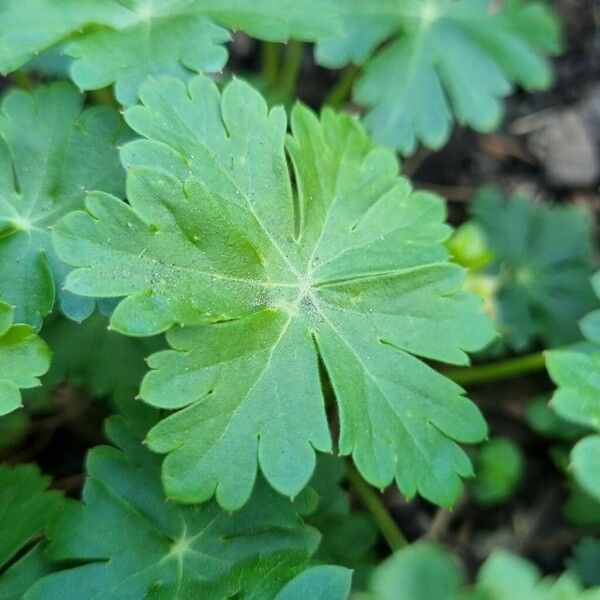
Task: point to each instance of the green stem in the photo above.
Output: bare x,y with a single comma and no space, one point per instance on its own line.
104,97
270,63
373,503
291,67
341,91
505,369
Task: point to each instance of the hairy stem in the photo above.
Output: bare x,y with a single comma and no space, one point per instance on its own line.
291,67
270,63
341,91
504,369
373,503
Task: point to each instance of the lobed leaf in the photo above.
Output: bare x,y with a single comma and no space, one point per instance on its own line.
26,507
267,274
127,41
577,399
155,548
428,63
23,358
50,154
544,287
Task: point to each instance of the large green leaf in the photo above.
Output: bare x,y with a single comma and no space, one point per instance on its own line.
443,60
50,155
126,41
266,275
153,548
544,260
26,507
23,358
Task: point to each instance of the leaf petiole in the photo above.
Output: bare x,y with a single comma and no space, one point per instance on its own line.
505,369
372,502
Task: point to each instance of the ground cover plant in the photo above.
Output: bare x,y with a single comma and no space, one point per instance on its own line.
248,349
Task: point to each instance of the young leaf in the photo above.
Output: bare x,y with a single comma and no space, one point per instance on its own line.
577,399
155,548
266,275
585,461
126,42
444,60
422,571
585,562
23,358
425,571
26,506
544,286
498,471
505,576
50,154
577,376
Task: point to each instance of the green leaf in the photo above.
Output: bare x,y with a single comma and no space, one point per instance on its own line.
50,154
323,582
349,535
156,548
426,571
585,561
544,285
430,62
267,274
21,575
126,41
23,358
26,506
505,576
581,509
585,462
422,571
577,376
544,421
14,428
498,471
92,356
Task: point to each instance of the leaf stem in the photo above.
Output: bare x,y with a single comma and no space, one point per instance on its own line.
271,61
373,503
341,91
505,369
291,67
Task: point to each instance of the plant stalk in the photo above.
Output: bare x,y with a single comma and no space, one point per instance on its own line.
270,63
373,503
291,67
505,369
342,90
